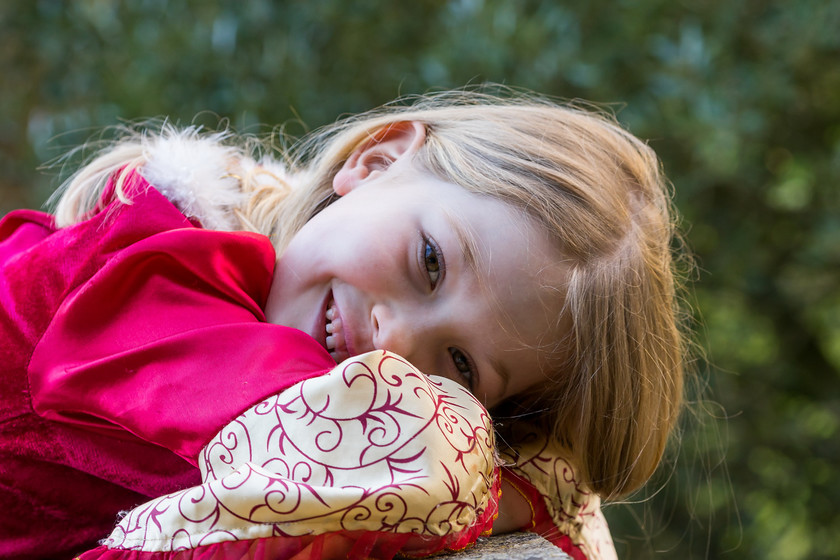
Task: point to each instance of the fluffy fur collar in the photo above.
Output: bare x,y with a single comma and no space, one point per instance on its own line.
197,173
203,174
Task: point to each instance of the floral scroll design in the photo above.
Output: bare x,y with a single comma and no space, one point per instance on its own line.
374,445
574,509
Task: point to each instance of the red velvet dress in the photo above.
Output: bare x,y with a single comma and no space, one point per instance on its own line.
126,343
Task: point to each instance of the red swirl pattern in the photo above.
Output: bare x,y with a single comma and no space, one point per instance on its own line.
373,446
574,510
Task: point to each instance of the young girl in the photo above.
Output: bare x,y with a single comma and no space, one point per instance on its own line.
515,246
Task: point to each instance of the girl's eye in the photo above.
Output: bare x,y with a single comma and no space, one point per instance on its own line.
432,261
464,366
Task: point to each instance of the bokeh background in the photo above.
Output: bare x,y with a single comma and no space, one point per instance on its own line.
740,98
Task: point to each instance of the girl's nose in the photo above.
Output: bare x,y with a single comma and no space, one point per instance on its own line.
401,331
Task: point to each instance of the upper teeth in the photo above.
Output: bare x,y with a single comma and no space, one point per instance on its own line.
333,326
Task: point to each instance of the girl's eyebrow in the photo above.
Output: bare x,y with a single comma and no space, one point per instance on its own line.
466,242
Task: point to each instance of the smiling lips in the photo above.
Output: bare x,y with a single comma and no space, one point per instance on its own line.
335,341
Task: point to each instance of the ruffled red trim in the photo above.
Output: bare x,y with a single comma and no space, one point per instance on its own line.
541,521
353,545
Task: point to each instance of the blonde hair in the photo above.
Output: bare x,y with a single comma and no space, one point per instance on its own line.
615,397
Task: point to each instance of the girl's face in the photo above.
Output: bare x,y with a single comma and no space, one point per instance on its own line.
452,281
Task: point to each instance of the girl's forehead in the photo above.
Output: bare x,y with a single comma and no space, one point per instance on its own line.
518,271
498,239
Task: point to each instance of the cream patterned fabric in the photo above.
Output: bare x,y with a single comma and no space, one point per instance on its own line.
575,510
374,446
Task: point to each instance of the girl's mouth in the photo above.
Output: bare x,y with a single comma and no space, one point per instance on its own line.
335,341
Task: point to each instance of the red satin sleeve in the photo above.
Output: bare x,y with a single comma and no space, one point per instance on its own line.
158,329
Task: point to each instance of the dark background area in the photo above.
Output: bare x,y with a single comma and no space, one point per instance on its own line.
740,98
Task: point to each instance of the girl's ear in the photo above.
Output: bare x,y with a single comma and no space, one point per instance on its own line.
386,146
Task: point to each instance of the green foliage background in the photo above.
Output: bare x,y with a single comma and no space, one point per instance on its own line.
740,98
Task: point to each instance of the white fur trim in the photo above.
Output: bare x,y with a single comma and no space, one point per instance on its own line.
194,173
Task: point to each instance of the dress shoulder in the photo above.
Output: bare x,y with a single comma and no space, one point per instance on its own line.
150,309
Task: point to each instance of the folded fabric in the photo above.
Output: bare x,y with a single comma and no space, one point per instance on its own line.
370,460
